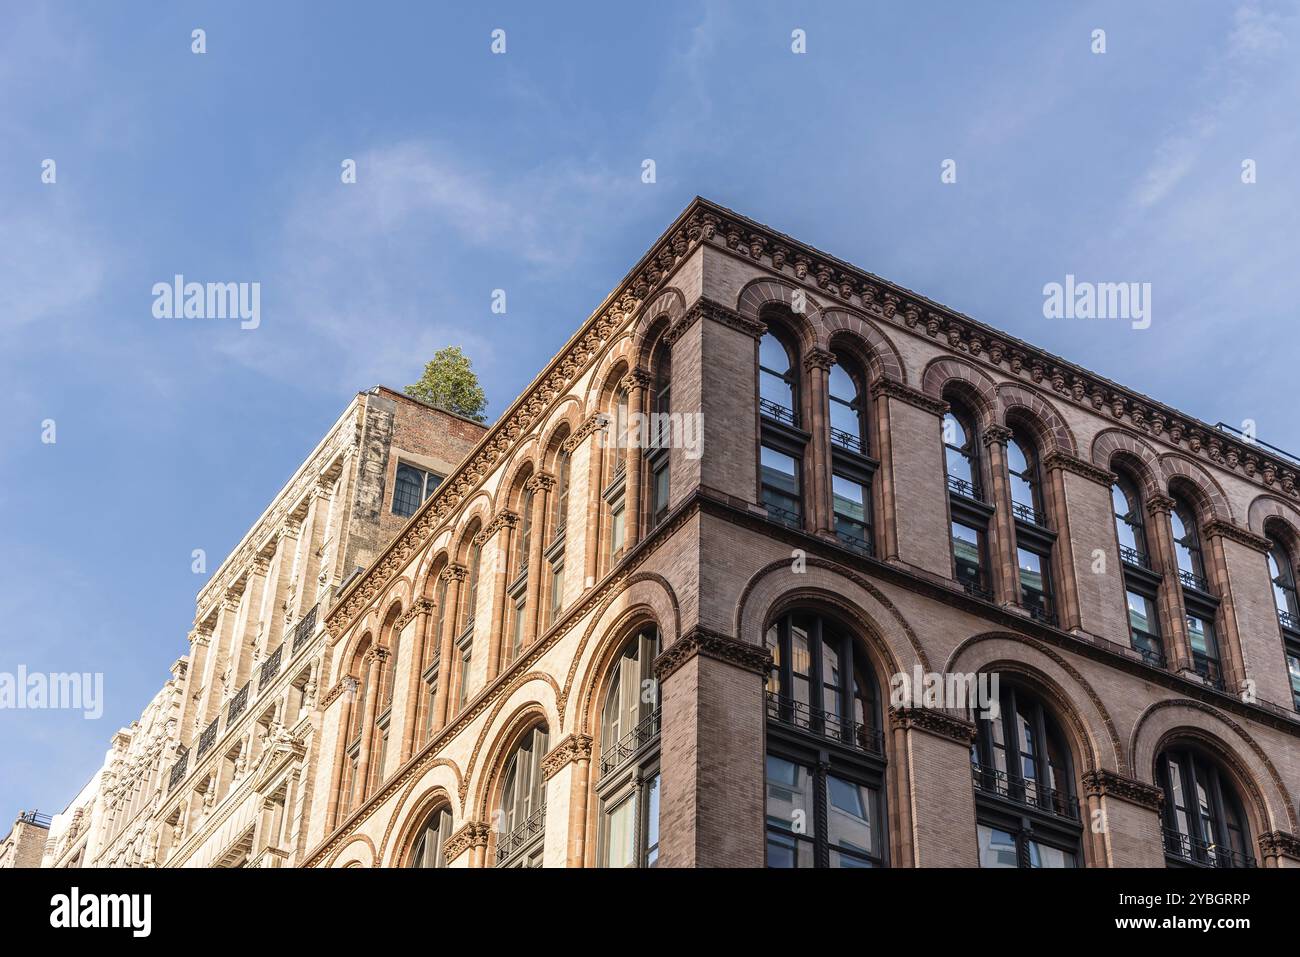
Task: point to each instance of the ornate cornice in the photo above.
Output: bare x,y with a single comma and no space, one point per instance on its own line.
1279,843
470,834
574,747
1237,534
903,393
1103,783
1063,460
710,644
933,721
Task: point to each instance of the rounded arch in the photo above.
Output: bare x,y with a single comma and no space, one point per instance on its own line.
1071,697
767,295
357,851
1183,476
769,591
844,328
1259,783
595,680
1019,406
644,589
563,423
947,376
514,728
1267,509
657,316
610,371
1115,446
431,798
474,524
438,559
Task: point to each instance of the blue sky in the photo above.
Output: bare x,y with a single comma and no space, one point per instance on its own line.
522,172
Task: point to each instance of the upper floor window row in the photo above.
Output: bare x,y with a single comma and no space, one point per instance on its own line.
412,486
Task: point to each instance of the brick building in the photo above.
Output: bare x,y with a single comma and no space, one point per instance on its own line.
216,771
657,615
24,845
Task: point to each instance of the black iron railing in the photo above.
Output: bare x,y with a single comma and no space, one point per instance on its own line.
303,631
522,835
34,817
1043,614
780,413
1132,556
796,714
178,769
785,516
1192,850
1193,580
847,440
237,704
1288,620
270,668
209,737
860,542
614,756
1209,669
1024,791
1027,513
1148,646
976,590
959,486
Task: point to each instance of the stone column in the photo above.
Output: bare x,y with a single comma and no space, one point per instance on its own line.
711,807
1121,821
218,656
286,548
503,527
374,671
540,485
1173,613
422,611
455,575
817,465
566,768
637,383
1002,530
932,804
1064,585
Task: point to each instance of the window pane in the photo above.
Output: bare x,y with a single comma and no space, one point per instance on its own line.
997,847
408,490
1043,855
652,822
789,796
620,850
967,551
849,822
850,498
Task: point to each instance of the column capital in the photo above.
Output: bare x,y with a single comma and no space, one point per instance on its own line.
574,747
470,834
1160,505
541,482
941,724
818,359
894,389
1103,783
710,644
453,572
996,435
1279,844
1242,536
1057,459
636,379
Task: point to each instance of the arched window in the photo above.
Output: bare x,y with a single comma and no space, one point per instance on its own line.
428,850
1129,526
1282,574
1203,821
553,601
778,380
560,519
825,755
517,581
1020,756
628,786
465,634
961,454
657,455
1026,487
1187,546
847,386
522,814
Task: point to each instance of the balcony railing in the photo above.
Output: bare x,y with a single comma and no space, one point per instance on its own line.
796,714
860,543
976,590
959,486
613,757
1191,850
522,835
178,769
1027,513
1131,556
1025,792
270,668
1193,580
303,631
237,704
1209,669
780,413
35,817
1288,620
785,516
847,440
1148,646
209,737
1043,614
